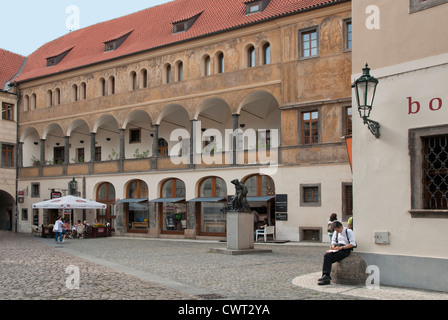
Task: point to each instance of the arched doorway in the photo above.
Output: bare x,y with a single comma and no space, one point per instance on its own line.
6,211
137,207
261,196
106,194
212,207
172,207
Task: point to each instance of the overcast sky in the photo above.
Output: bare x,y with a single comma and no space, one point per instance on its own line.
28,24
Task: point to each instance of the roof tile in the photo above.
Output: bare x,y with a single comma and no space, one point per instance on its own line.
153,28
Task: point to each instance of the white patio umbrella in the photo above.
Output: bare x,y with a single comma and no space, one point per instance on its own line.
69,202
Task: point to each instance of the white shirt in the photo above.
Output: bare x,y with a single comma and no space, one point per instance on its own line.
342,237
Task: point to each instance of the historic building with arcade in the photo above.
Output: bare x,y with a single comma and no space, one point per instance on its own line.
156,112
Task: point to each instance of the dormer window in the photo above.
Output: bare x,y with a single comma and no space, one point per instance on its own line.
185,24
255,6
54,60
115,43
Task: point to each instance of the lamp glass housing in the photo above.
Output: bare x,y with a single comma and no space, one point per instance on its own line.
365,92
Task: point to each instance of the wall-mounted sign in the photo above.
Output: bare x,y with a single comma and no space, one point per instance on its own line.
281,207
55,195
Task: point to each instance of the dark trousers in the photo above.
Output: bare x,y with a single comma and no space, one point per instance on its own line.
332,257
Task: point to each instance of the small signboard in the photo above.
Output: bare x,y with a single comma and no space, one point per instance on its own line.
56,195
281,207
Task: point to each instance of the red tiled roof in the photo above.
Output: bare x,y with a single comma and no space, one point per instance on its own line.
153,28
10,64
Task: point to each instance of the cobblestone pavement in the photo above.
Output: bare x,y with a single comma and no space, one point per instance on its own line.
34,269
150,269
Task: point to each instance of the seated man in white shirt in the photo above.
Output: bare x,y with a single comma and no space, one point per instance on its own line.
342,244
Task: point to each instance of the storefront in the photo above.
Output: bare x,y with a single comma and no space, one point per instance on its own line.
106,194
136,207
211,207
172,207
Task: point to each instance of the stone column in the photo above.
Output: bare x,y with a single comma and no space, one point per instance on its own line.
155,146
235,118
192,143
122,144
42,152
67,150
92,146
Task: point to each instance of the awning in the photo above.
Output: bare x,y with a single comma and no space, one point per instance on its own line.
165,200
262,199
207,200
131,200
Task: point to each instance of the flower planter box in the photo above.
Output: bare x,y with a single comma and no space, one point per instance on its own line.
48,232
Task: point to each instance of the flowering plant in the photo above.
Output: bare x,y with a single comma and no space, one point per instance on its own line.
99,225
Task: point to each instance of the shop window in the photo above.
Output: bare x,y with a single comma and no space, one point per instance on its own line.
310,195
428,149
137,206
106,194
213,207
173,208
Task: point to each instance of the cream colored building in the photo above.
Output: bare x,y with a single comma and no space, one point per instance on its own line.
10,64
399,180
101,105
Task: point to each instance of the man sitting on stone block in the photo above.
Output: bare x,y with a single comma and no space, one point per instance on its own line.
342,245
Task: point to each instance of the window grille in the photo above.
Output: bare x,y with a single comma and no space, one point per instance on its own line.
435,172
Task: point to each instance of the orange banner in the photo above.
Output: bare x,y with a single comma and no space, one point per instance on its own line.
349,150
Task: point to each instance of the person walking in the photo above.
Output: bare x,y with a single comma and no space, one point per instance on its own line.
57,229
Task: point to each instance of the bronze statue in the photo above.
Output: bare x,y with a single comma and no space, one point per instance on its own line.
239,200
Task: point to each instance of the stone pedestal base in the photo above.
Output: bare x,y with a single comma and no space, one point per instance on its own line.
240,235
240,230
350,271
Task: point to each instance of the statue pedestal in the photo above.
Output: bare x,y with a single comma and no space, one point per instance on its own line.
240,230
240,235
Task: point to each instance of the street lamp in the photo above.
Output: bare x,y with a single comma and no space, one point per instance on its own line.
73,188
365,88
